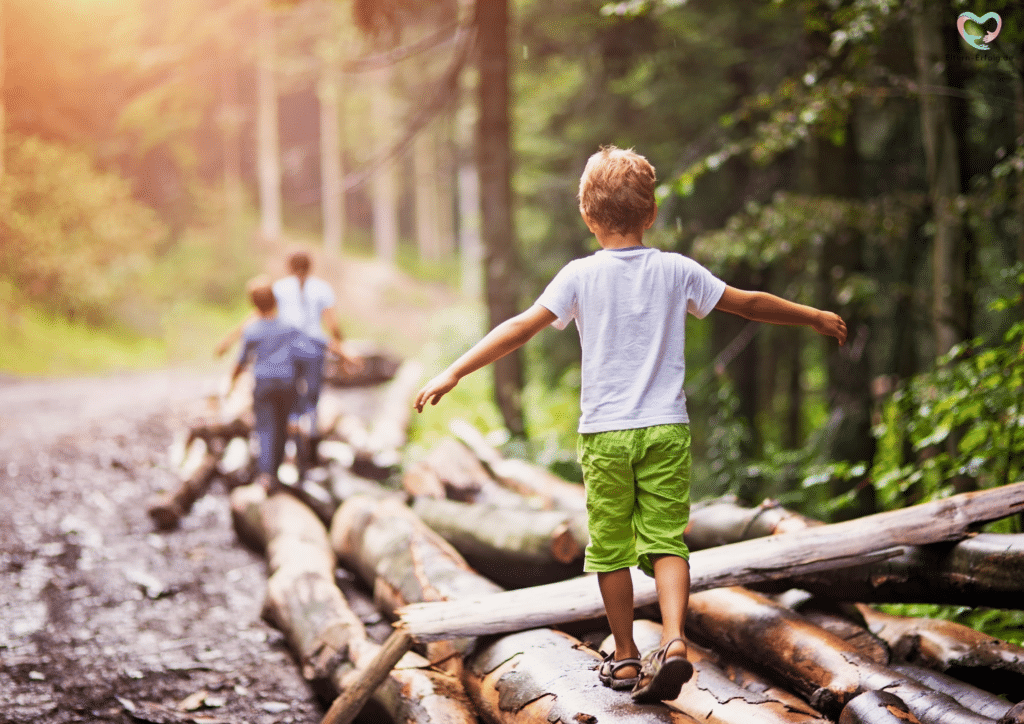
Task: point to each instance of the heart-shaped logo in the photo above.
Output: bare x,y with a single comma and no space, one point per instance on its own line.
978,41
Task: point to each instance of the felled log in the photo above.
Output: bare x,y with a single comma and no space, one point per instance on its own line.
544,676
510,548
959,650
220,432
525,478
389,428
329,640
863,641
973,697
978,571
877,707
376,366
819,548
399,556
450,470
818,665
723,520
168,509
713,698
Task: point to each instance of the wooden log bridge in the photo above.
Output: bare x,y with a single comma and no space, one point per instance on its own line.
819,548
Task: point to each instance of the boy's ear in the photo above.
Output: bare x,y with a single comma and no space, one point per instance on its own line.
654,215
586,220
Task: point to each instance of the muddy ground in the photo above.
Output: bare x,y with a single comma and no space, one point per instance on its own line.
103,619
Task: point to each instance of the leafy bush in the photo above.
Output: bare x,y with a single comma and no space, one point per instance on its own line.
75,241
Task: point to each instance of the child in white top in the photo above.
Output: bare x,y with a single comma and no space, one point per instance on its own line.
630,303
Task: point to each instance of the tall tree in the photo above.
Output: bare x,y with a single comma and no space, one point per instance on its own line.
2,125
268,145
949,293
494,164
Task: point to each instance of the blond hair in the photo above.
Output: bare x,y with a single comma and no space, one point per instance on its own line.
617,190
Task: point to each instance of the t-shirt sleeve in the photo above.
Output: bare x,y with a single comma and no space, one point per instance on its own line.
560,298
325,295
703,289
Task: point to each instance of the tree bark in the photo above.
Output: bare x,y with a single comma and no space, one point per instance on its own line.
544,676
512,548
974,698
525,478
268,149
820,548
384,186
389,428
820,666
943,169
723,520
332,195
451,471
877,707
494,164
979,571
168,509
713,698
969,655
327,638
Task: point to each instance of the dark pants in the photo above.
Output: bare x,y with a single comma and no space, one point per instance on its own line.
309,372
272,401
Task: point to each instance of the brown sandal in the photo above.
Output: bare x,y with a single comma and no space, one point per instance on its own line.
610,667
662,676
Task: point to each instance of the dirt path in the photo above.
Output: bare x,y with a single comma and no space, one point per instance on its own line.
101,618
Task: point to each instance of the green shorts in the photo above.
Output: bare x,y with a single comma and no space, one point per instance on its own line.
638,495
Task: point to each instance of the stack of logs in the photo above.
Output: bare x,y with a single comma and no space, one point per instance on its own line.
478,560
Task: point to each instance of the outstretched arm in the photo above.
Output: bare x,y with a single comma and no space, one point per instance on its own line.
233,336
765,307
507,337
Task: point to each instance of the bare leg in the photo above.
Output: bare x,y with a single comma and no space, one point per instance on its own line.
672,579
617,594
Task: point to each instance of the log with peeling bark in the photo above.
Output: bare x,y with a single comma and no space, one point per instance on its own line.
512,548
814,549
974,698
713,698
877,707
389,428
327,638
528,479
723,520
450,470
544,676
813,662
979,571
375,366
970,655
168,509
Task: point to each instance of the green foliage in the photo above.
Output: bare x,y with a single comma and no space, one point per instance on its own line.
75,241
1001,624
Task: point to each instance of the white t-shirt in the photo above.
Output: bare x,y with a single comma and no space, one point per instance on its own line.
303,307
630,308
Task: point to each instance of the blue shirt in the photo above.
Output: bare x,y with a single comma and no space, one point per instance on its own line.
272,346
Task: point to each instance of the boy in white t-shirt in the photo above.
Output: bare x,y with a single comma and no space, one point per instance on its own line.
630,303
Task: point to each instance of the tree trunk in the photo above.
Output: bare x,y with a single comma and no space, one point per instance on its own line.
976,699
451,471
167,510
877,707
384,186
721,521
713,698
332,195
525,478
978,571
3,121
425,195
509,547
327,638
967,654
820,548
379,453
943,169
544,676
268,150
494,163
815,663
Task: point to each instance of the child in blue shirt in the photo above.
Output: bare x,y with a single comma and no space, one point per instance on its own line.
630,302
274,349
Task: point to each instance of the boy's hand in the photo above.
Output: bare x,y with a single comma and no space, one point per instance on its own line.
434,390
831,325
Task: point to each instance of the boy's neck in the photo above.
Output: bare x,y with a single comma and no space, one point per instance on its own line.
272,314
615,240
